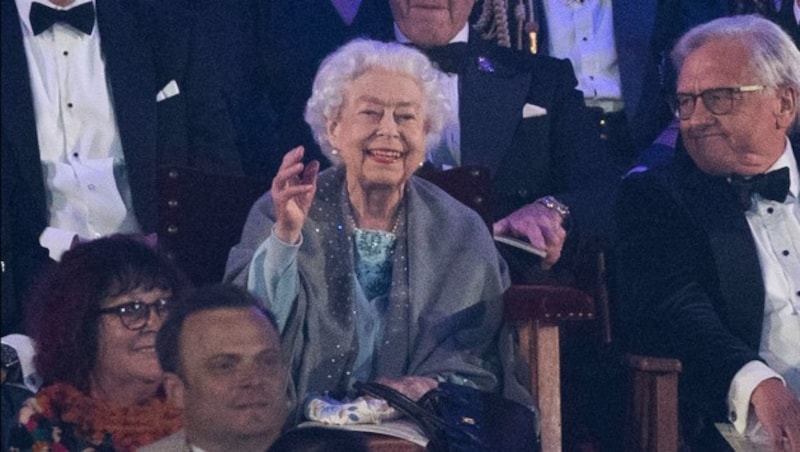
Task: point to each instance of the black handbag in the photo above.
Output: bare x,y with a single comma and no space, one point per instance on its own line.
458,418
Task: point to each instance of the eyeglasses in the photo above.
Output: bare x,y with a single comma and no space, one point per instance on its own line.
718,101
134,315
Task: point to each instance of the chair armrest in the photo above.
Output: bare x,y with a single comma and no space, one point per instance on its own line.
547,303
653,364
652,411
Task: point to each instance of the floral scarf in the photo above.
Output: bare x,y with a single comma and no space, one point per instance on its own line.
62,418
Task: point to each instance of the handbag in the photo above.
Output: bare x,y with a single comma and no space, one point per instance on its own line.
458,418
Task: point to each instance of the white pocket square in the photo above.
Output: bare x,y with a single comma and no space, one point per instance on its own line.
169,90
530,111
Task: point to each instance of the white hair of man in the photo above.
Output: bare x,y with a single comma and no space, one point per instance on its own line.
775,58
354,59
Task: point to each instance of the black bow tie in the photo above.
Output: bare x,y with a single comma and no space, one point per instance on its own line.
773,185
449,58
80,17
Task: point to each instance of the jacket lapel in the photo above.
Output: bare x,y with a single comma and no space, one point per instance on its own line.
131,73
19,122
490,106
740,283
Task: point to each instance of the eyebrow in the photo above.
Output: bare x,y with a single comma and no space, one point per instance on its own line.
375,100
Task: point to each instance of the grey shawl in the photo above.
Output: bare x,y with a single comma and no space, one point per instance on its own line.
445,308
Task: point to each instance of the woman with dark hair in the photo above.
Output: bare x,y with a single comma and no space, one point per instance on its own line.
94,322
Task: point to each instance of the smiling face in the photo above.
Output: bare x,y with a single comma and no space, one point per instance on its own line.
124,355
431,22
233,383
751,137
380,130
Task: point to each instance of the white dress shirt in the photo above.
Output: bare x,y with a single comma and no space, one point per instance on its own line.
87,190
583,32
776,230
447,153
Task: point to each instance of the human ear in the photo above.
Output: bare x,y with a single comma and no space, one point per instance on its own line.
787,110
173,385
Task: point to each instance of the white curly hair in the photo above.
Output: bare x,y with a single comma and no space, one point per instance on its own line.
354,59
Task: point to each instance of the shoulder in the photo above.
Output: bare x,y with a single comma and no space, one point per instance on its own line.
175,442
425,198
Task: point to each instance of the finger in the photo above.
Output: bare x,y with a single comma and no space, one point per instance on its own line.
287,175
310,173
293,156
536,235
500,226
791,437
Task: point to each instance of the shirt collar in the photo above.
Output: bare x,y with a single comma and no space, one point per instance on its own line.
461,36
787,159
24,9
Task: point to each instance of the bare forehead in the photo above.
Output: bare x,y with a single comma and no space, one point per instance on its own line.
717,63
219,328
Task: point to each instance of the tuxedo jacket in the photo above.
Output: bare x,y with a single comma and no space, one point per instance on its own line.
689,280
145,45
646,110
523,118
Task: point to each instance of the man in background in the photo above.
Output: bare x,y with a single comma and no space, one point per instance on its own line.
708,251
222,357
95,96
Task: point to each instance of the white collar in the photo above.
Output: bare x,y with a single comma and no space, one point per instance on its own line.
787,160
461,36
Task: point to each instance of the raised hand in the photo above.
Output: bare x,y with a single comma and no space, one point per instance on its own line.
293,190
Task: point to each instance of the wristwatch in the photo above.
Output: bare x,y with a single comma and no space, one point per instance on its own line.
554,204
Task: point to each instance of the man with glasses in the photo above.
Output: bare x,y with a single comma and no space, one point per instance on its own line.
709,250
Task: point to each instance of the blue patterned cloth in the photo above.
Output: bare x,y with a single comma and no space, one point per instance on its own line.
373,251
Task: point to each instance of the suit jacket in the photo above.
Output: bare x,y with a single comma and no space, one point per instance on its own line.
689,279
555,153
634,22
175,442
146,45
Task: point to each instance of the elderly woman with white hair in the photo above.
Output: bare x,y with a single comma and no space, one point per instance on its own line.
373,273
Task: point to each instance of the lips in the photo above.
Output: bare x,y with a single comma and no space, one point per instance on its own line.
386,155
145,348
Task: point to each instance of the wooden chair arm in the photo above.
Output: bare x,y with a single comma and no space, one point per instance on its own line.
536,311
652,411
653,364
547,303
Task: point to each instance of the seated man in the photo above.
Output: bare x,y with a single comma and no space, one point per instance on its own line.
95,96
222,357
522,117
709,245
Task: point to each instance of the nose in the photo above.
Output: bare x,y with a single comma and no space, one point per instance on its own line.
387,127
251,375
154,319
701,115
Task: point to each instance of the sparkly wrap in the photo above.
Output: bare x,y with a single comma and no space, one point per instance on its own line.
445,303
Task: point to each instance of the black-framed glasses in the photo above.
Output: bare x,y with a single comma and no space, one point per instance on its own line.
718,101
135,314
